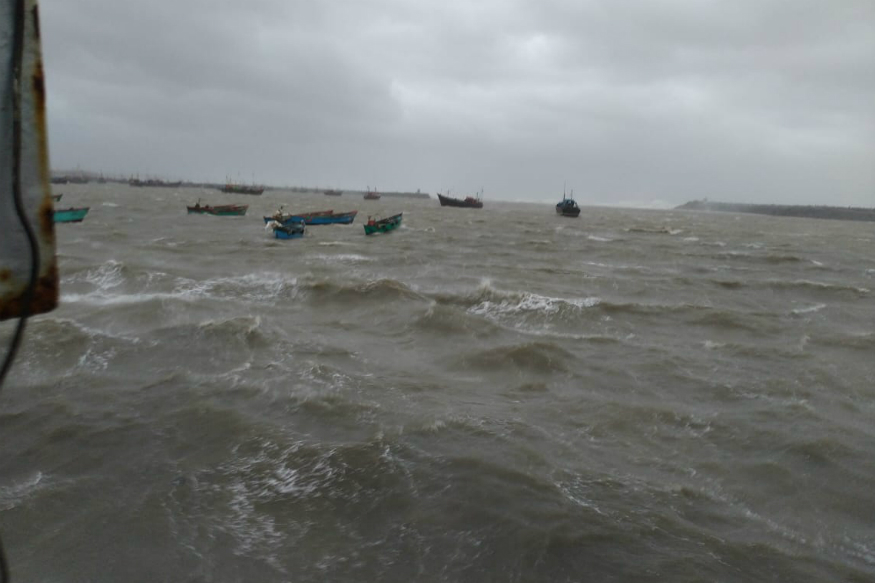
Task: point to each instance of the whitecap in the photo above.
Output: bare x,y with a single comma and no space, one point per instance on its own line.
808,309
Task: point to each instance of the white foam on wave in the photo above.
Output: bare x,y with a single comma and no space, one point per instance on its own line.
808,309
599,239
103,299
106,276
253,287
341,257
690,239
335,244
96,360
13,494
529,303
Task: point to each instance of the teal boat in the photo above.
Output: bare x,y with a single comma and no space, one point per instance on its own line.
70,215
383,225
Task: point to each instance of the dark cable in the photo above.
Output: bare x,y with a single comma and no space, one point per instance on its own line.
27,296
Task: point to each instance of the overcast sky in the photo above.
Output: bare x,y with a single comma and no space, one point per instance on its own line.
631,102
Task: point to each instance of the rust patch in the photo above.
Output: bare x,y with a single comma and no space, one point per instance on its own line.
47,221
39,85
5,274
45,298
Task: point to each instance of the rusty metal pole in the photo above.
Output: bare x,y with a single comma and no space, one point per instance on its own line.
28,271
25,195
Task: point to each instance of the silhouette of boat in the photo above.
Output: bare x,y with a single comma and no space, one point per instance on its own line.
468,202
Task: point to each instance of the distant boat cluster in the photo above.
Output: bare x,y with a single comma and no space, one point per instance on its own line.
293,225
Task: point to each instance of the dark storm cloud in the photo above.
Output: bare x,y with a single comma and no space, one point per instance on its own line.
632,102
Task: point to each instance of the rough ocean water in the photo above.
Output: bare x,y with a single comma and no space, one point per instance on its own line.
481,395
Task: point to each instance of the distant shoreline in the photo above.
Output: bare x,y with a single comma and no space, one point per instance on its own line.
804,211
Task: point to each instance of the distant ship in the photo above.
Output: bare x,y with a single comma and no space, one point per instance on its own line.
69,180
567,207
153,182
469,201
330,192
372,195
242,189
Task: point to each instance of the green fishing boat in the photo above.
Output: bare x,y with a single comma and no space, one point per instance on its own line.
70,215
383,225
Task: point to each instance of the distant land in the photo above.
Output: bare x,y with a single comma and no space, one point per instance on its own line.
840,213
84,177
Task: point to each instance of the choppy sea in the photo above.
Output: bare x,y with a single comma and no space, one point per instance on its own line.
482,395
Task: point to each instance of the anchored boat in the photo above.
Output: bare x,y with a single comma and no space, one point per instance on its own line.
468,202
567,207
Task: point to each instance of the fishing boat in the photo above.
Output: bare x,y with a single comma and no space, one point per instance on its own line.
224,210
468,202
283,217
372,195
331,192
324,219
154,182
242,189
286,231
567,207
382,225
70,215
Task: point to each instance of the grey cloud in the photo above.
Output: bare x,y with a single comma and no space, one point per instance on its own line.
629,100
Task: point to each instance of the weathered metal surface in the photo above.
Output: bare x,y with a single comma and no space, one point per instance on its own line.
24,166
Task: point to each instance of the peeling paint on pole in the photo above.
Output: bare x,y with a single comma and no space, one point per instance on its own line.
24,166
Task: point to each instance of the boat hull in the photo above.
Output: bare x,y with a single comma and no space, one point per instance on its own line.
470,203
219,211
574,212
567,208
237,189
384,225
286,218
294,231
332,219
70,215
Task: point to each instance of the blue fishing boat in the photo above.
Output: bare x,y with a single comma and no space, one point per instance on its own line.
323,219
284,217
70,215
286,231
